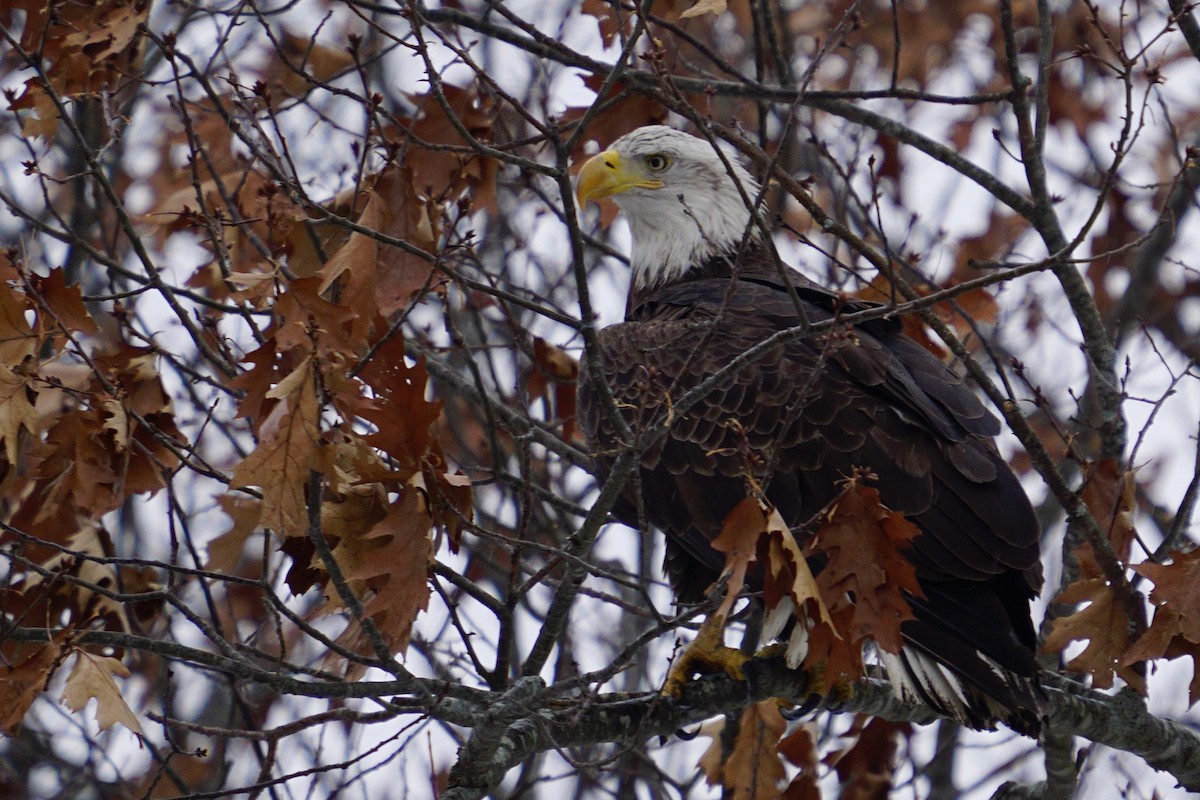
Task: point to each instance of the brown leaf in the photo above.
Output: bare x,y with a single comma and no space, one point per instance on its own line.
41,117
995,243
753,770
84,556
606,18
1104,624
800,748
441,174
401,414
392,562
92,678
225,551
1177,585
17,410
866,767
20,684
85,47
1111,497
370,276
306,57
289,449
738,540
307,322
862,541
552,377
715,7
787,575
1175,631
77,473
65,303
17,340
349,520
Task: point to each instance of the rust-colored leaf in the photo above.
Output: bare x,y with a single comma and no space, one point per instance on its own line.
738,540
753,769
85,47
308,61
390,563
64,302
17,340
800,748
225,551
21,683
552,378
289,449
1110,495
1104,624
866,767
606,14
862,541
17,410
1177,585
1175,630
402,416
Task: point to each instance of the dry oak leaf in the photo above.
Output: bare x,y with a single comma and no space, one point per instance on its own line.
92,677
866,768
77,472
64,302
289,449
403,418
738,540
1110,494
17,340
862,541
21,683
17,410
42,117
1104,623
606,16
1175,631
715,7
306,62
83,49
306,321
800,748
1177,585
225,551
392,562
355,266
754,769
84,556
349,520
787,569
552,378
1164,639
441,174
371,276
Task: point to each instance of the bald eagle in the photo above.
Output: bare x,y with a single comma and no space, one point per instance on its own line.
799,420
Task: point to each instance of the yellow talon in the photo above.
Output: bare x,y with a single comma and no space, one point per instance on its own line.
707,650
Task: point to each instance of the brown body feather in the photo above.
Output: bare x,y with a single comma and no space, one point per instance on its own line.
801,418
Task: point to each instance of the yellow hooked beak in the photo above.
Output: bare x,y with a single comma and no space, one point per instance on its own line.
607,174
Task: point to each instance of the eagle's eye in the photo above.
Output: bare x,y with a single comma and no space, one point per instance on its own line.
657,162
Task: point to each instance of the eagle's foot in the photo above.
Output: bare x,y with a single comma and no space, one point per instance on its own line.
706,653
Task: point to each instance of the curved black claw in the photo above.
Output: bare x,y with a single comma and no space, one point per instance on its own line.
810,704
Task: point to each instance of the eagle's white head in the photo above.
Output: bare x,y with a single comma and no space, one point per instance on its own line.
679,195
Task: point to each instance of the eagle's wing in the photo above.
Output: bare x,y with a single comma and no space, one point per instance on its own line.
801,418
